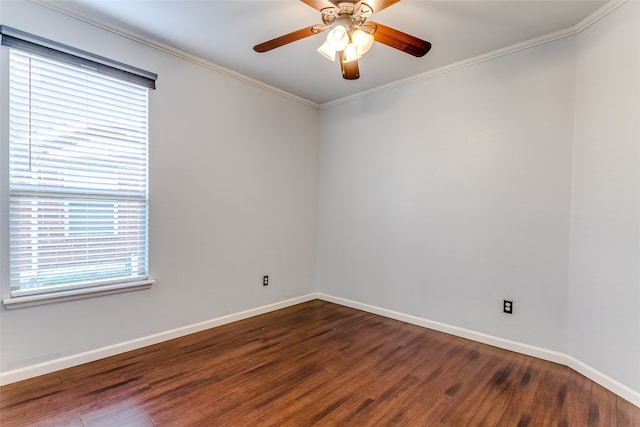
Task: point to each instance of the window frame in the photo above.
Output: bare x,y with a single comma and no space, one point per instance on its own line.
53,295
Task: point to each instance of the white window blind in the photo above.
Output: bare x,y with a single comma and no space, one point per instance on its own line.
78,177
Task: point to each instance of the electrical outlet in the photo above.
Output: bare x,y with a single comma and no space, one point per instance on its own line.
507,306
265,280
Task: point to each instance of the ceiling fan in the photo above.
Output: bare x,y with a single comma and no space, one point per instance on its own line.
350,35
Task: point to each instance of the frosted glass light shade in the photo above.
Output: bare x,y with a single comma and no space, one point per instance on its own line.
338,38
351,53
326,51
362,40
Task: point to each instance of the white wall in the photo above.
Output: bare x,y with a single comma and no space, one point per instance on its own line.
604,287
233,176
441,198
437,199
517,178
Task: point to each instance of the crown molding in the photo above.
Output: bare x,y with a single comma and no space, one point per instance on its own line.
605,10
547,38
63,8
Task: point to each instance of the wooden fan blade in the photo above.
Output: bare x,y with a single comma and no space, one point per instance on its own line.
399,40
282,40
378,5
318,4
350,70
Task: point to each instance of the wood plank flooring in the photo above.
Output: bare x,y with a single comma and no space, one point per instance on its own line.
315,363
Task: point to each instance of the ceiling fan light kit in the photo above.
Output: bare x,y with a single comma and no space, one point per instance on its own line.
349,35
326,51
337,39
362,40
355,42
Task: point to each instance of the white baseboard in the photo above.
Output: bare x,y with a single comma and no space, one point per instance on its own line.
625,392
609,383
100,353
616,387
518,347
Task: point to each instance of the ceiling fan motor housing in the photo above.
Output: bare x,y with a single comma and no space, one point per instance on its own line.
348,14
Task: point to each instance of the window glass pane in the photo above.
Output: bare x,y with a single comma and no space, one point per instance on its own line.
78,177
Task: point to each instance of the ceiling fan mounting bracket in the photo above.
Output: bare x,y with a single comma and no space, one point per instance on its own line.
346,8
356,12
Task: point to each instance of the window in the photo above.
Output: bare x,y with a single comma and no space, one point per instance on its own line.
78,177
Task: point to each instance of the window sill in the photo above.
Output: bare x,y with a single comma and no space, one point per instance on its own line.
31,300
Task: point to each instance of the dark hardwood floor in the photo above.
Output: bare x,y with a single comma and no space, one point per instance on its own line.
315,363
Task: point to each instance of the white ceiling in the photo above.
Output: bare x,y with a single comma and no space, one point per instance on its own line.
224,32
